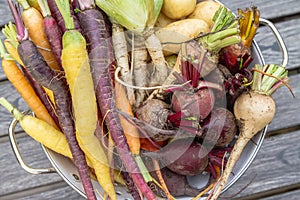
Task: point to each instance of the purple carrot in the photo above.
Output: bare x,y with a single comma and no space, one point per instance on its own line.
58,17
53,32
101,57
131,186
43,74
55,82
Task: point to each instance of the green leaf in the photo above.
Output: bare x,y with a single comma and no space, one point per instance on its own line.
132,14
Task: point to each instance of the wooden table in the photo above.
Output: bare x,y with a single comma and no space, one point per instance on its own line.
276,169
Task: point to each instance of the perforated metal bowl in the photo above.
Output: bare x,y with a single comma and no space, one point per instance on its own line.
67,170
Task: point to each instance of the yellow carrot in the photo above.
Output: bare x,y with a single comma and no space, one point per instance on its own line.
76,66
40,130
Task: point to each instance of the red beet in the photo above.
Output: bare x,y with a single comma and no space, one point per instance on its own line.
184,156
219,127
198,103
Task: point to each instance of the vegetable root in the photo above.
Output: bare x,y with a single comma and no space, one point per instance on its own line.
121,55
33,21
253,110
22,85
40,130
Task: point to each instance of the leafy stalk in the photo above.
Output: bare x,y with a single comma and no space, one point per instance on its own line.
224,32
157,7
14,111
22,33
267,79
143,169
64,9
24,4
3,53
10,32
249,22
44,8
221,19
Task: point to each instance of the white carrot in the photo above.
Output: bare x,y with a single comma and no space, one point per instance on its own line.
253,110
140,68
121,55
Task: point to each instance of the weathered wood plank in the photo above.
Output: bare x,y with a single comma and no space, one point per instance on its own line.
275,166
289,31
56,191
9,92
287,112
16,179
5,13
269,8
293,195
2,75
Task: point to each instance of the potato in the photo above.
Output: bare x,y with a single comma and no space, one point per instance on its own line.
205,10
178,9
163,20
180,31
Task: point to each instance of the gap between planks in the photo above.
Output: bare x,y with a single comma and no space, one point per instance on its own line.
284,18
268,193
18,134
32,191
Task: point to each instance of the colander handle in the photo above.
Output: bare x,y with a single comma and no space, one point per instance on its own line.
284,51
16,150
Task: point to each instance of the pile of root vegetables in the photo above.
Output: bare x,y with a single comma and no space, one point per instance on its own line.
144,93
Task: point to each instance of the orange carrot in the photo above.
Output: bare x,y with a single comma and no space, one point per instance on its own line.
16,77
130,131
161,179
148,146
34,23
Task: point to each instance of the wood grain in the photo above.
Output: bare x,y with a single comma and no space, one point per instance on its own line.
278,8
57,191
5,13
275,152
13,177
9,92
2,75
275,166
289,31
269,8
287,112
290,195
